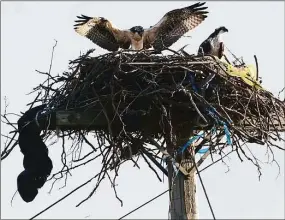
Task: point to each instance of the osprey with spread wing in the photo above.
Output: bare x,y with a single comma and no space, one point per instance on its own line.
166,32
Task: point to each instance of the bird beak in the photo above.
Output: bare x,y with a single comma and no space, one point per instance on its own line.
140,33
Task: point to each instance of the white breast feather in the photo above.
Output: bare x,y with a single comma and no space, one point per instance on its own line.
137,45
215,43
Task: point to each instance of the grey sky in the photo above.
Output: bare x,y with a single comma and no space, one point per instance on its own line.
28,30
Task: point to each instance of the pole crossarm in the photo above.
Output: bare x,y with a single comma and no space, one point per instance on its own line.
93,120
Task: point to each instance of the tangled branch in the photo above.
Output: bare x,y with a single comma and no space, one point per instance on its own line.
123,100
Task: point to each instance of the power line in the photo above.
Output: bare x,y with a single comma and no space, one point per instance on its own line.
204,189
149,201
64,197
144,204
80,186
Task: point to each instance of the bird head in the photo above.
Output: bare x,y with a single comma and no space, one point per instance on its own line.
103,19
221,30
137,29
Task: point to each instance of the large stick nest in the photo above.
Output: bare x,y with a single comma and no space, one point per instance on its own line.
131,99
137,92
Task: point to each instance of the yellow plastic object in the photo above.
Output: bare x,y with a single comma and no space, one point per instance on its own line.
246,73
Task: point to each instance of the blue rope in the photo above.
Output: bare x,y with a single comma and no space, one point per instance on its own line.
211,112
202,151
191,78
228,135
219,121
214,112
189,142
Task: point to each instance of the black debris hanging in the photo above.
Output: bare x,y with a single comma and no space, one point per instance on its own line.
126,106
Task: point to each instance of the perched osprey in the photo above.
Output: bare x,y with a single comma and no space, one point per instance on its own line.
213,45
167,31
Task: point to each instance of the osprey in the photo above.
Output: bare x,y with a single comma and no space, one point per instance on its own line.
213,45
167,31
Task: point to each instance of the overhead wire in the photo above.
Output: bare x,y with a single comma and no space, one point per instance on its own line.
149,201
64,197
204,189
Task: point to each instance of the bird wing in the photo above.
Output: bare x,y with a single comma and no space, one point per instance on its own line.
205,47
101,32
221,50
173,25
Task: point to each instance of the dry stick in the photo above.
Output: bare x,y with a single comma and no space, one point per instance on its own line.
276,145
281,92
257,108
273,160
249,122
167,63
105,113
111,56
7,122
48,74
256,64
7,146
245,111
208,104
87,142
50,66
113,184
255,163
167,155
123,124
32,103
272,122
6,136
218,139
93,191
226,58
195,106
10,150
63,157
82,158
280,123
105,163
7,151
149,165
216,161
74,167
150,156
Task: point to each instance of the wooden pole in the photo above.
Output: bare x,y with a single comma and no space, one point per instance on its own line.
183,193
183,203
183,198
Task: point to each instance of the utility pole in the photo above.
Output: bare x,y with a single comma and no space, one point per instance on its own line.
183,198
183,194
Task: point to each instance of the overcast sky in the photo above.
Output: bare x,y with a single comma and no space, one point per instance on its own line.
28,30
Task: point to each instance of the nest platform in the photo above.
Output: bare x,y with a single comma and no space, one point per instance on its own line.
160,107
122,94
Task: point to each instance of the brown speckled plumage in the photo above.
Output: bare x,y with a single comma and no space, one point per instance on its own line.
175,24
167,31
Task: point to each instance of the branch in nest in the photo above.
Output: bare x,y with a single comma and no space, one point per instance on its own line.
121,96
